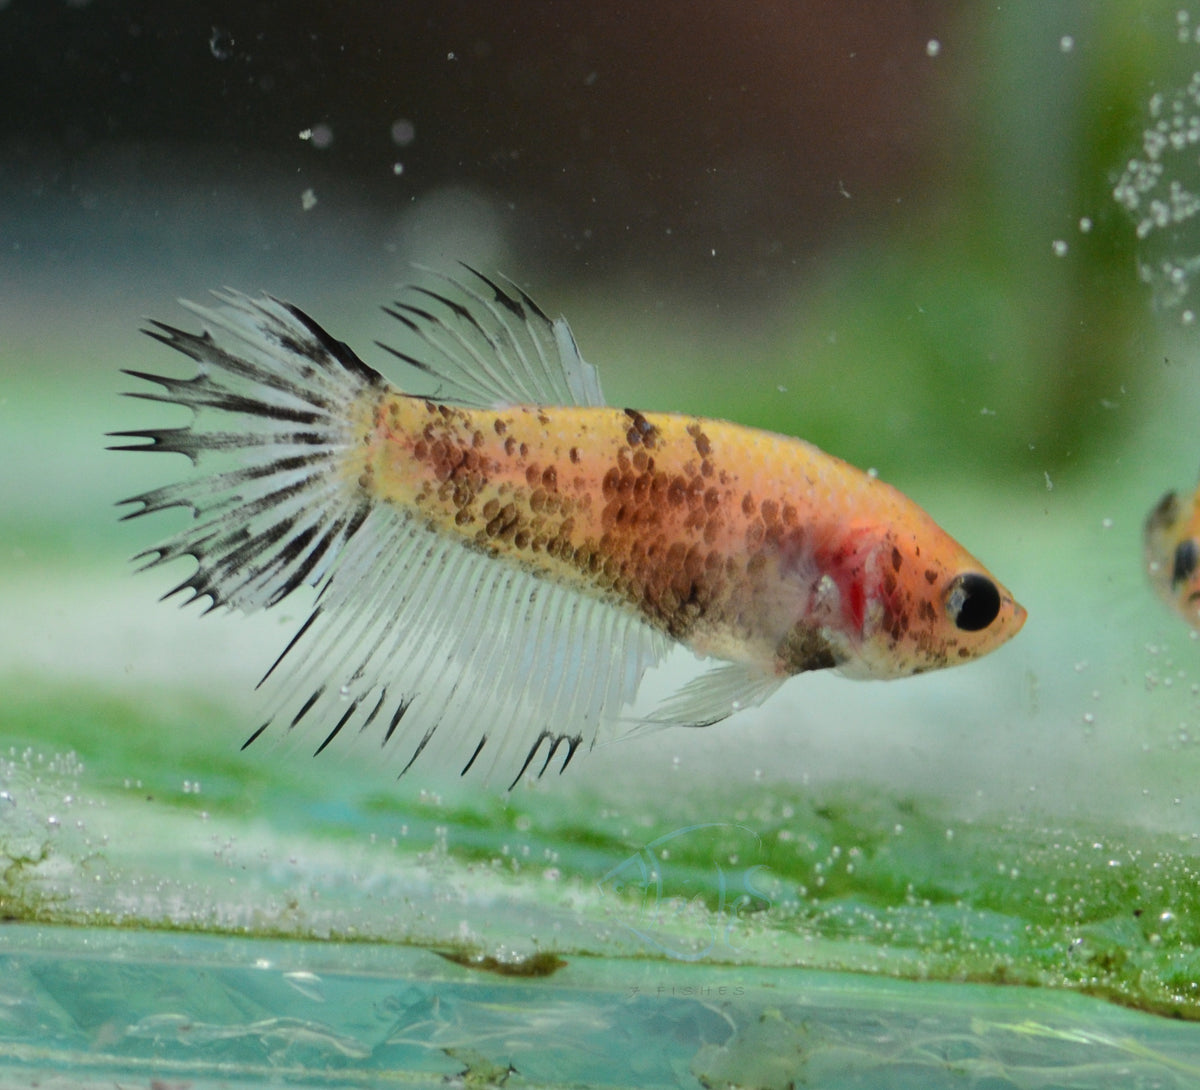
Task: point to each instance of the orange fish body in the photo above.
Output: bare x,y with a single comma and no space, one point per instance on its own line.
514,554
1172,553
745,545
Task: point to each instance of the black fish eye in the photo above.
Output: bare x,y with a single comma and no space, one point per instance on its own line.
1186,557
973,602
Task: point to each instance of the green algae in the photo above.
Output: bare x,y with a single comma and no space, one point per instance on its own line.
839,877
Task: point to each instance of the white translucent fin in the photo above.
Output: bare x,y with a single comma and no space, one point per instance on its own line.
435,650
713,696
271,402
490,347
501,669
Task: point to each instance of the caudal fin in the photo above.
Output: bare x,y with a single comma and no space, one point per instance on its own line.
278,410
504,669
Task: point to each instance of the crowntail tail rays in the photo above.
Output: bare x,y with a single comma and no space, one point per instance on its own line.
508,671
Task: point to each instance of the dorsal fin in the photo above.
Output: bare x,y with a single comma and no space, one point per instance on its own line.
494,346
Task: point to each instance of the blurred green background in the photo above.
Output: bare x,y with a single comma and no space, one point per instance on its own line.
889,229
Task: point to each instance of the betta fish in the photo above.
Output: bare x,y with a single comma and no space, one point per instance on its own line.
498,562
1172,553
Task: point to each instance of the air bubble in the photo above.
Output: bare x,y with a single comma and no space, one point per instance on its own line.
320,136
1160,188
220,44
933,47
1059,247
403,132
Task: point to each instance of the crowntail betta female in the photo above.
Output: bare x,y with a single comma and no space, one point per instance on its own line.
499,562
1172,553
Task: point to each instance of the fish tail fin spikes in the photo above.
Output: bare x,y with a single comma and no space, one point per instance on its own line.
510,674
277,409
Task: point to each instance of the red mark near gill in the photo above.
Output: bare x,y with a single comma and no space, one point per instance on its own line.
855,598
845,565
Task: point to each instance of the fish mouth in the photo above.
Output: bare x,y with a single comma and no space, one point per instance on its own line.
1018,615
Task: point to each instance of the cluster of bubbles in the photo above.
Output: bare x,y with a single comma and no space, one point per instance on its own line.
320,136
1161,187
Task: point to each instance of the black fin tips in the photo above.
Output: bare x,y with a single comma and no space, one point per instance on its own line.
573,742
161,440
256,735
478,749
501,296
339,350
1165,512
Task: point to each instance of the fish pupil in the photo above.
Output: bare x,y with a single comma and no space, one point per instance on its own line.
974,602
1186,557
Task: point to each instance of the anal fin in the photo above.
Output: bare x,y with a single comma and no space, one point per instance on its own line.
504,670
712,696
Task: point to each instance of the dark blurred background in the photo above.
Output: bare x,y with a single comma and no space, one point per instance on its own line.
615,132
887,227
884,226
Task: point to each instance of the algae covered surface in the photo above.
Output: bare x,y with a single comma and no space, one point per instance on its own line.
277,925
836,877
